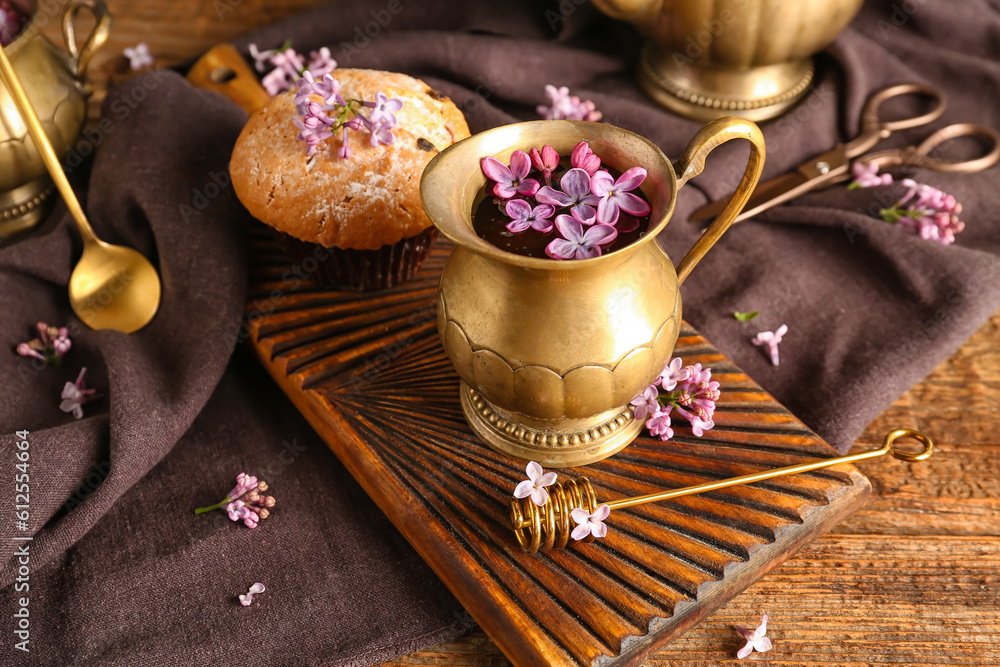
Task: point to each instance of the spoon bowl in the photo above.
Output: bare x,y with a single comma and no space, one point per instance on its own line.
114,287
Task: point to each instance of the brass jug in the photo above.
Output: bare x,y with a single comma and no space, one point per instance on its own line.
550,353
706,59
56,84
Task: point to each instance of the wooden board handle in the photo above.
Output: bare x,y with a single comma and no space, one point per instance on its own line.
223,70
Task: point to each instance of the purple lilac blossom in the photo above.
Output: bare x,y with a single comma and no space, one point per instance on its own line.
575,194
577,244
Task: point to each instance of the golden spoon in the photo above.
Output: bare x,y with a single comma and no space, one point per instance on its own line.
112,287
549,526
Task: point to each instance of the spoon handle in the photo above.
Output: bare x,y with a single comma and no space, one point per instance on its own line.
13,85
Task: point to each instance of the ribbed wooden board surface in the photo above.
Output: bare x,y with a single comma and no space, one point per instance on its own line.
369,374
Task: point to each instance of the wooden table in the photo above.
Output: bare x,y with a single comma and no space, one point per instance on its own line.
913,579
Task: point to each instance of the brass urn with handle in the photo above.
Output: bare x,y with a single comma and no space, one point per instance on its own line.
706,59
56,83
551,353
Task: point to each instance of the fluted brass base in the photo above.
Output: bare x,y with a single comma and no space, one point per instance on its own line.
24,207
704,92
577,442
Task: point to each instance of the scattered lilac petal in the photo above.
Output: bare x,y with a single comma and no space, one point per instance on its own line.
590,524
534,486
138,56
771,340
756,639
256,589
75,394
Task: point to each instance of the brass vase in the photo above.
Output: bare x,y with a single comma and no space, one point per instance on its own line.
706,59
550,353
56,84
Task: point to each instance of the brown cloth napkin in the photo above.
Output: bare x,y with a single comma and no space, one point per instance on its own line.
123,573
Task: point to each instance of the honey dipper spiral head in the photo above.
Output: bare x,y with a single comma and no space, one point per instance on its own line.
550,525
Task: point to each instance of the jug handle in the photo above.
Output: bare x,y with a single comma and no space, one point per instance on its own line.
80,57
692,163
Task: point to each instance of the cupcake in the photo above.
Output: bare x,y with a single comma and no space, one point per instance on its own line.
334,169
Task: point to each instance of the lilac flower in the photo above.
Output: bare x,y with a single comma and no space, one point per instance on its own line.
314,125
674,373
771,340
257,588
615,195
290,62
563,106
525,217
237,510
575,194
756,639
697,374
545,161
138,56
381,130
275,82
384,108
583,158
345,149
244,483
50,345
659,424
288,65
689,390
590,524
75,394
535,485
928,198
576,244
867,176
511,180
700,398
321,63
261,59
698,424
646,403
940,227
245,502
328,89
251,519
929,213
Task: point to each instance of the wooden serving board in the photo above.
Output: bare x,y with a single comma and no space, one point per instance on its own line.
369,374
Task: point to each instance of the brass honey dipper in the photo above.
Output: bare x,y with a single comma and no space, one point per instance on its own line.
550,525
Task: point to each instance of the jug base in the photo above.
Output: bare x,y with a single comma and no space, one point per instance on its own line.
25,206
563,444
705,92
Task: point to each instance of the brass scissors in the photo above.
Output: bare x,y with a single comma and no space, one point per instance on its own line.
834,166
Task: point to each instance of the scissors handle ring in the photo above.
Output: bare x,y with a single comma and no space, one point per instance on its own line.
870,121
917,156
961,130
